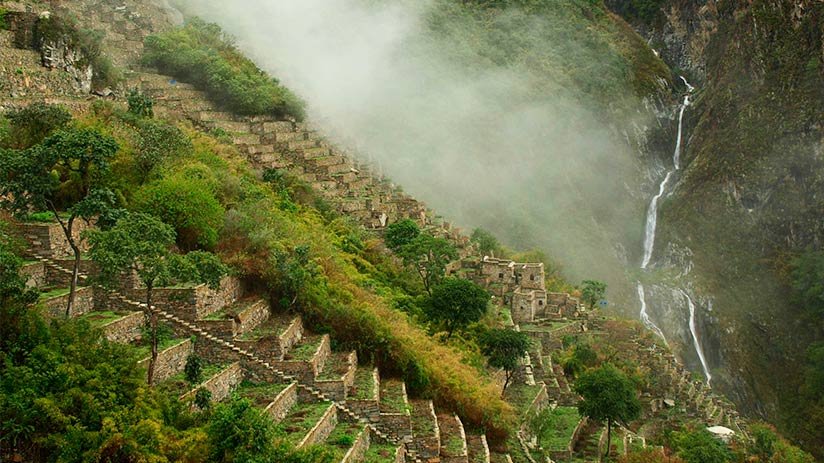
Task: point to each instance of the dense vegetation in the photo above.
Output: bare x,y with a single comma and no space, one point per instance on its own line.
280,237
199,53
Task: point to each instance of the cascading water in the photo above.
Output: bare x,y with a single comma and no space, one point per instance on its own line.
649,238
695,341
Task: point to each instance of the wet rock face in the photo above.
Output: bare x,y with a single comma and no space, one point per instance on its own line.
59,54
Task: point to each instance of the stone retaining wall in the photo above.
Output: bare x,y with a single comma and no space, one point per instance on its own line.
55,307
369,408
307,370
170,361
326,424
125,330
336,389
35,274
220,385
49,240
192,303
284,402
359,448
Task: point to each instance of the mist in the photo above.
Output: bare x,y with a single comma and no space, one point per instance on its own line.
487,145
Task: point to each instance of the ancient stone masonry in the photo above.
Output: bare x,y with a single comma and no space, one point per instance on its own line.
520,286
169,361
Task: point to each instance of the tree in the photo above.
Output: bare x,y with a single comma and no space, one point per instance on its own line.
401,233
701,447
64,168
456,303
807,273
505,348
592,292
158,142
31,125
188,205
607,395
429,256
142,244
488,245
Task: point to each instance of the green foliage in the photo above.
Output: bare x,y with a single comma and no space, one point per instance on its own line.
188,205
701,447
203,398
456,303
487,244
807,273
429,256
140,104
505,348
578,358
608,395
644,10
199,53
158,143
592,292
240,433
3,24
401,233
64,30
31,125
193,370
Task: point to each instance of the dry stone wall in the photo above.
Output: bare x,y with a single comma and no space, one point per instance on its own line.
170,361
55,307
284,402
126,329
220,385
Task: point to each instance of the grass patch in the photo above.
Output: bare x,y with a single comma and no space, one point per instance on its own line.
54,293
342,438
521,396
304,351
335,367
422,424
380,453
145,352
260,394
98,319
364,384
558,426
301,419
392,396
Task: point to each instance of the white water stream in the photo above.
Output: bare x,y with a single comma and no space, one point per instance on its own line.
695,338
649,239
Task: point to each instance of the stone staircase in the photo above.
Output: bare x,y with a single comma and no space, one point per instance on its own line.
278,352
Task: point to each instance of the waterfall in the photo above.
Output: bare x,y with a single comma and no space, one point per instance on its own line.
695,341
645,317
652,215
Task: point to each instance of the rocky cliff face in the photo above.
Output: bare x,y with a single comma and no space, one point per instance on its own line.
750,196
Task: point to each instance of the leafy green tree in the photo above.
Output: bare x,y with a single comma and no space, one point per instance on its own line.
20,329
608,395
158,142
701,447
577,358
64,168
429,256
505,348
487,244
401,233
288,273
31,125
239,432
188,205
592,292
456,303
193,370
142,244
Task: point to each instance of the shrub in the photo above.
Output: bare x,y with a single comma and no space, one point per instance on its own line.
401,233
199,53
193,370
140,104
188,205
158,142
32,124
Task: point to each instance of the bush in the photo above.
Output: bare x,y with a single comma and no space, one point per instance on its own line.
34,123
401,233
140,104
188,205
199,53
193,370
158,142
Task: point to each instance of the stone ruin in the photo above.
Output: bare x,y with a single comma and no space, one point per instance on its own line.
520,286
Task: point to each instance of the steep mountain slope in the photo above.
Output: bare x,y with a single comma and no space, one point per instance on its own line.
751,197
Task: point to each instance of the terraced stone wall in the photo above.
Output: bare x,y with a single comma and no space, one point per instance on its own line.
126,329
169,361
